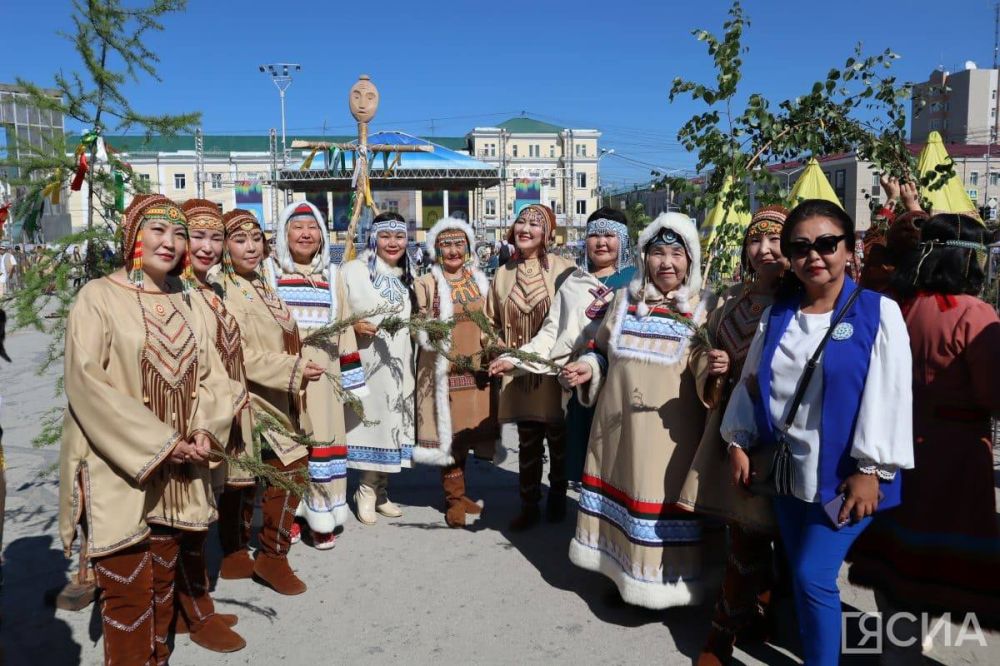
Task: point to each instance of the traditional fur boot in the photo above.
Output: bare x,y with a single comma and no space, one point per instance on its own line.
125,579
271,567
365,499
235,517
208,629
453,480
383,504
164,546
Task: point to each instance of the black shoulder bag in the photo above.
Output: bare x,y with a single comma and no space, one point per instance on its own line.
776,458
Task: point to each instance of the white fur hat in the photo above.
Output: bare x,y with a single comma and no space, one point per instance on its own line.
430,244
284,256
686,229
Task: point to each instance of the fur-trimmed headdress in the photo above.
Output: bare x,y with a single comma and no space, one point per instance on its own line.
283,256
442,455
641,287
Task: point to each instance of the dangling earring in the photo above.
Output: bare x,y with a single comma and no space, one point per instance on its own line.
187,274
135,275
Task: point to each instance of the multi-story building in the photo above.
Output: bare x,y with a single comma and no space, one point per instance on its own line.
25,130
961,106
540,163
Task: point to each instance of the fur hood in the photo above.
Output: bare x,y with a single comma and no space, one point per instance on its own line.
283,256
640,287
443,225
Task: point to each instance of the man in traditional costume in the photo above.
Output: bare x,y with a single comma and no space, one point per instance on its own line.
307,281
276,377
646,427
709,488
576,313
146,406
519,300
456,407
380,442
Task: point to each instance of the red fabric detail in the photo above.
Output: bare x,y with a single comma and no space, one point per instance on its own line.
81,171
886,212
630,503
354,357
303,209
329,451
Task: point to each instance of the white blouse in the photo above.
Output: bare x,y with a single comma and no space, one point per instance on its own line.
883,435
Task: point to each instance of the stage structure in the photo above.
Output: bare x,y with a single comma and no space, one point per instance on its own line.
382,161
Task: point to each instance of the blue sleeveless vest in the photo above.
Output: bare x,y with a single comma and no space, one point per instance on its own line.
844,365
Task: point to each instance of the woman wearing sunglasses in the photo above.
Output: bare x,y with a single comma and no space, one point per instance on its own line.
837,446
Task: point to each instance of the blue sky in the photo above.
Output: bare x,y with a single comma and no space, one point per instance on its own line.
599,64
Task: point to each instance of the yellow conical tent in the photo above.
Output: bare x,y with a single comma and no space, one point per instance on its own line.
812,184
723,260
950,197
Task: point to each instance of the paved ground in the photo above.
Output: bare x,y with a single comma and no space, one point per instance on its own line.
404,591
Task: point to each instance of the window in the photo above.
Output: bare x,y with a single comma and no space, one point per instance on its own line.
491,208
390,205
534,150
994,178
552,150
552,205
513,150
581,179
144,179
839,178
876,186
876,203
180,181
974,178
935,124
581,207
493,150
581,150
216,181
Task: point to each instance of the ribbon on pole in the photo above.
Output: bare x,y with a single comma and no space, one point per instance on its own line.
53,191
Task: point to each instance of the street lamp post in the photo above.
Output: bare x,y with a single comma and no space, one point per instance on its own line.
600,190
281,75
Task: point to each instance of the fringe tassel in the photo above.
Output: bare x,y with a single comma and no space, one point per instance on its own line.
135,274
782,470
519,329
172,404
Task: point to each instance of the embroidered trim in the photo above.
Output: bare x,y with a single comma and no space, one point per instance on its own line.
124,580
128,628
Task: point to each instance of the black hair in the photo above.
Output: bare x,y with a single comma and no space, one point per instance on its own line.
939,268
407,278
608,214
790,285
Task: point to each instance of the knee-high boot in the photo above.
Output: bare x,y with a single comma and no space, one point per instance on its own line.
197,614
453,481
555,504
126,582
531,447
235,516
271,567
164,546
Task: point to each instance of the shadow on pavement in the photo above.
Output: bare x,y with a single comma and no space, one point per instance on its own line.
31,632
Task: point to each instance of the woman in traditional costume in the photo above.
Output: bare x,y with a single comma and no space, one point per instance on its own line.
646,426
519,299
196,610
381,441
577,310
276,377
940,550
308,283
456,408
710,487
839,449
145,410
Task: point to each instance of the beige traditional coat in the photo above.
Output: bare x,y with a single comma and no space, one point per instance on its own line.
454,408
271,357
227,342
646,429
128,353
709,487
518,301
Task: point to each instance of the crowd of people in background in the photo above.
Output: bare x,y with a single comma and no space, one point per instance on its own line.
816,407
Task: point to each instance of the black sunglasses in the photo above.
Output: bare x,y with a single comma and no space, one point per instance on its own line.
824,246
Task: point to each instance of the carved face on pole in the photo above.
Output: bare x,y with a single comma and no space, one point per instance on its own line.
363,99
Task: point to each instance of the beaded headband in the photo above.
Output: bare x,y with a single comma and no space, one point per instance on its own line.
387,225
238,220
203,214
767,221
666,237
602,226
450,235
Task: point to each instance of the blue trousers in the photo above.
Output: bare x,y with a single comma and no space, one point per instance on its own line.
815,552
